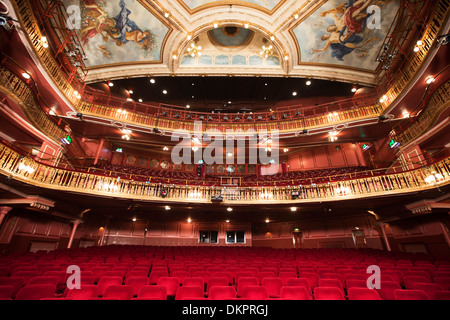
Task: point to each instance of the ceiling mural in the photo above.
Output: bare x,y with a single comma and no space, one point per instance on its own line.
345,32
120,31
266,4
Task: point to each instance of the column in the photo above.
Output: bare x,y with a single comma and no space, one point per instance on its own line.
97,155
72,235
3,212
383,233
445,233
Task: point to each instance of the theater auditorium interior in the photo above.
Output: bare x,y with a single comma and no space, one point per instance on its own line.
224,150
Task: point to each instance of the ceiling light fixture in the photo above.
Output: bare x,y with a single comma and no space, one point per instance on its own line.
195,50
26,75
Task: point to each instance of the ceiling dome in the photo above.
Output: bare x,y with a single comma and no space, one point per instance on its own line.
230,37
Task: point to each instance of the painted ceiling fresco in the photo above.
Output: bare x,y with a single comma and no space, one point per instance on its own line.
346,33
119,31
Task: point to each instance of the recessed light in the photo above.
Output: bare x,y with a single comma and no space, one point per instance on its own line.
354,89
140,100
227,221
308,83
189,220
167,208
293,209
267,220
164,91
110,84
294,93
26,75
188,106
229,209
152,81
134,219
130,91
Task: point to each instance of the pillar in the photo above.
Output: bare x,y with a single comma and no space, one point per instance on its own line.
445,233
3,212
99,149
72,234
383,233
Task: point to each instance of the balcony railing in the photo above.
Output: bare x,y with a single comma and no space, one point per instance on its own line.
25,169
14,87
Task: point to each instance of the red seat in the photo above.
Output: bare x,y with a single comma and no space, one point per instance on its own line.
27,275
273,286
105,282
84,293
331,283
262,275
222,293
122,292
429,288
137,283
181,275
299,282
254,293
194,282
188,293
43,280
16,282
410,295
444,282
410,281
171,284
36,292
245,282
351,283
442,295
6,292
155,275
386,291
153,292
312,278
225,274
328,293
356,293
216,281
294,293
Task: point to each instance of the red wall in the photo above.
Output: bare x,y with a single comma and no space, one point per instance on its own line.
330,156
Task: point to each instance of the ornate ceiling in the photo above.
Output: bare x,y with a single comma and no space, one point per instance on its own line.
333,40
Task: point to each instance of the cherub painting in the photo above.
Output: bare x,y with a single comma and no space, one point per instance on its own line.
118,31
338,32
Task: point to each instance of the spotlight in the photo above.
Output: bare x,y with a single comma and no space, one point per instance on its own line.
225,118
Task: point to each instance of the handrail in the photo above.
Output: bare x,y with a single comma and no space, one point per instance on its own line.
25,98
28,171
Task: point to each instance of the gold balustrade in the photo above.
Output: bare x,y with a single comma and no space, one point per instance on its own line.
26,170
16,89
437,104
415,62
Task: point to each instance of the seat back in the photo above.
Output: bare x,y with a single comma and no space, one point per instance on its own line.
254,293
122,292
187,293
36,292
355,293
153,292
294,293
328,293
410,295
222,293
